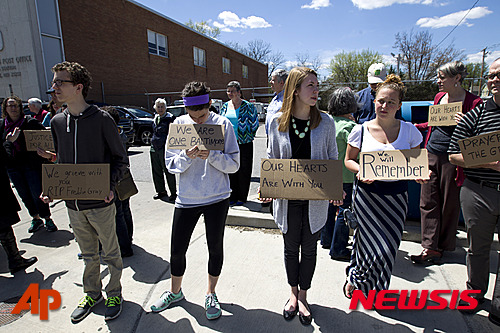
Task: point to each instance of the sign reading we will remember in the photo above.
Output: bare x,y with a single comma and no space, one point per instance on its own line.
394,164
481,149
76,181
444,114
301,179
38,138
205,136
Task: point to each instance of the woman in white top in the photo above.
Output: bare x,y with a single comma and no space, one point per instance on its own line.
380,206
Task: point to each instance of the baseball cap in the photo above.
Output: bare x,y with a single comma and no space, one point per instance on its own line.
377,73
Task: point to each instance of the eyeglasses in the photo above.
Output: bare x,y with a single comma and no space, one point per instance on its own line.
492,76
59,82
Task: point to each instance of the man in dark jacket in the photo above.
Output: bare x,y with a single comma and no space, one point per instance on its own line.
161,124
84,134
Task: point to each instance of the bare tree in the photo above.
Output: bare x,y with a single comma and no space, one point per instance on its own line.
204,28
420,58
258,49
274,61
236,46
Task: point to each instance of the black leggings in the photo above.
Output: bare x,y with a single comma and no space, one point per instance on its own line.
299,238
185,220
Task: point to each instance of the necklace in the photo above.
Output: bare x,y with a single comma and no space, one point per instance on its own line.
300,134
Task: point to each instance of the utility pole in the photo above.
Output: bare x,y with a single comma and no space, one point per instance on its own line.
398,58
482,70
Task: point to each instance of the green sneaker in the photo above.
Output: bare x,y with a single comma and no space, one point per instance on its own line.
166,299
83,309
212,307
113,307
36,224
50,225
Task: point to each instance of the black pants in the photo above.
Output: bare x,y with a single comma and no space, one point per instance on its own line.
297,239
185,220
240,181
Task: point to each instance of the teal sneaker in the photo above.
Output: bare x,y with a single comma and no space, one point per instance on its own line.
212,307
36,224
166,299
50,225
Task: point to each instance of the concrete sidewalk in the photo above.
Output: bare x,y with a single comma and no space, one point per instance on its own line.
252,287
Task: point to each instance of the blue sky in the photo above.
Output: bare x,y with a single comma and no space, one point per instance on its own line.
323,28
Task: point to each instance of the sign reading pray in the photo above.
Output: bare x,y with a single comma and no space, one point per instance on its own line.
481,149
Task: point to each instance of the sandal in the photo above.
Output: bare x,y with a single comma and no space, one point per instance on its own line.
348,292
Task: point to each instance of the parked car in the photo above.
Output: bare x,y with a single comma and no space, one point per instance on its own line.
127,125
176,110
142,123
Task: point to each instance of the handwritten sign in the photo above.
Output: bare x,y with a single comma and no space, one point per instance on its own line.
186,136
76,181
484,148
444,114
40,138
394,164
301,179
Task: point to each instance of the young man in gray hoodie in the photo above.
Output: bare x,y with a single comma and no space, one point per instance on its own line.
84,134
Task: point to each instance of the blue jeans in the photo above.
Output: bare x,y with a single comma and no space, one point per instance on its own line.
28,183
335,233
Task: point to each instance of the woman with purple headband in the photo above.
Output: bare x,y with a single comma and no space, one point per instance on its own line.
203,189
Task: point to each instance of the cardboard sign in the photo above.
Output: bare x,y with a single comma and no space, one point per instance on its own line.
40,138
481,149
76,181
301,179
394,164
444,114
186,136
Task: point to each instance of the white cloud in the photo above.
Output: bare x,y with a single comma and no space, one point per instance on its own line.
373,4
478,57
453,18
317,4
231,20
254,22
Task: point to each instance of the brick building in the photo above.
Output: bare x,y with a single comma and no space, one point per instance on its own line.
130,50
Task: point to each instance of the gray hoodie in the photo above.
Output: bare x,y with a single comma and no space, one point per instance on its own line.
204,182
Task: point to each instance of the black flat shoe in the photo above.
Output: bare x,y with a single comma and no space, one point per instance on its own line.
494,319
306,320
289,314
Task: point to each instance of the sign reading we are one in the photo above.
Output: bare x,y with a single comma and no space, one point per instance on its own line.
205,136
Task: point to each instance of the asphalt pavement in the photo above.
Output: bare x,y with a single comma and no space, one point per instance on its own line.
252,288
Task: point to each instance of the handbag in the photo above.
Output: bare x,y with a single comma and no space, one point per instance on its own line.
125,188
349,214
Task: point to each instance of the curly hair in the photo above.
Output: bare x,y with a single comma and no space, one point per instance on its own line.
19,104
79,74
196,88
393,82
342,101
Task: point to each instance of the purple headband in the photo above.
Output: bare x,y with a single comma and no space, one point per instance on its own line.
196,100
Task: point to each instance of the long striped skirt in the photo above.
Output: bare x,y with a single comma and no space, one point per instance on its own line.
381,210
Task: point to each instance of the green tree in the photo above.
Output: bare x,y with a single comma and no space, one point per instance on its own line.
204,28
474,74
350,68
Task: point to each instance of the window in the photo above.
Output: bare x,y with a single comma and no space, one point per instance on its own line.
157,44
244,70
199,57
226,65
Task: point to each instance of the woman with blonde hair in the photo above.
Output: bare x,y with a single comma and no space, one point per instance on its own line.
301,131
380,206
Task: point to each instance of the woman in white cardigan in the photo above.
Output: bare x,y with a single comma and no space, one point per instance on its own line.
301,131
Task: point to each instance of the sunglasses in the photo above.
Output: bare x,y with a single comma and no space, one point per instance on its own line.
492,76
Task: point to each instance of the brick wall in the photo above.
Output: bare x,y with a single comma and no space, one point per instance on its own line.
110,39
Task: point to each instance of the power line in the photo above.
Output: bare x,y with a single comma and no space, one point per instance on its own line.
463,18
